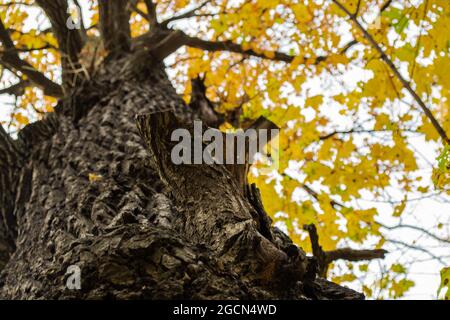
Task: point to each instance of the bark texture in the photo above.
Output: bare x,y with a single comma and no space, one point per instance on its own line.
95,188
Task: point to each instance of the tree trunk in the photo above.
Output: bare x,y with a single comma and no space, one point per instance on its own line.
94,188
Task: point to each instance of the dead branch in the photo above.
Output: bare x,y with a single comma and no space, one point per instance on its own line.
324,258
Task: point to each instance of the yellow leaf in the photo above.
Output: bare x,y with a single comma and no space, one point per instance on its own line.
398,210
95,177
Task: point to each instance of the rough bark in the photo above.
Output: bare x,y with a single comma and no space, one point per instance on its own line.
114,24
10,160
143,228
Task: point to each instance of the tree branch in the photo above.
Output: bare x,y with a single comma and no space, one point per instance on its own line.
315,195
237,48
17,89
394,69
185,15
175,39
348,46
11,60
70,40
385,6
358,6
324,258
134,6
335,204
355,255
114,24
83,27
169,43
151,9
407,226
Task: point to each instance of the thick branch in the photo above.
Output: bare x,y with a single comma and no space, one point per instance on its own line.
233,47
162,42
151,9
169,43
397,73
11,60
70,39
202,107
115,24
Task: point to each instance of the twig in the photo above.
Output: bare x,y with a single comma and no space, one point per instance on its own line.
407,226
385,6
185,15
17,89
